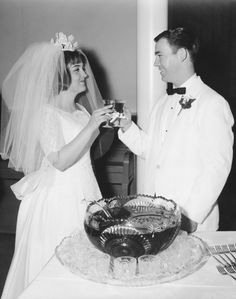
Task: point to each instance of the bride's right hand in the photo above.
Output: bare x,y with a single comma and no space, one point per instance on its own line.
99,116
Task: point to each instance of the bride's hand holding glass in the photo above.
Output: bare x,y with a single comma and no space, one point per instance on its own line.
100,116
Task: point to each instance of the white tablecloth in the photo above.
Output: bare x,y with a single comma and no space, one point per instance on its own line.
56,282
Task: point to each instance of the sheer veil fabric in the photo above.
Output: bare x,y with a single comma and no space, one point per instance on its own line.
32,83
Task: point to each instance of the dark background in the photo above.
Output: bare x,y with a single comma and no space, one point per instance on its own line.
214,22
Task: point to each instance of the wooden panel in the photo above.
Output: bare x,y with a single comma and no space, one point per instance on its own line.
116,171
8,203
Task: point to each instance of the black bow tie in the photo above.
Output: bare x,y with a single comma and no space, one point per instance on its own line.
180,90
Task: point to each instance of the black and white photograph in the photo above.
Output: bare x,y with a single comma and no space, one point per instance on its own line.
117,154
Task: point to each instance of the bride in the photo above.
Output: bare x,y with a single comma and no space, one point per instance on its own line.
48,136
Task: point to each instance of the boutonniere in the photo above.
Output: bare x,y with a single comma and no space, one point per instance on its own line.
186,102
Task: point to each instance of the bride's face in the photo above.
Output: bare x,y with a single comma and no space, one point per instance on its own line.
78,76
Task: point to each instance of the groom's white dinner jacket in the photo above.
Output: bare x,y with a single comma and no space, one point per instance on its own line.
188,152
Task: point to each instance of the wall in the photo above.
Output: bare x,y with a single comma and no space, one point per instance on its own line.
105,29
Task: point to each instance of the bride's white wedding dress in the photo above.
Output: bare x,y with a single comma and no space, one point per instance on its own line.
53,202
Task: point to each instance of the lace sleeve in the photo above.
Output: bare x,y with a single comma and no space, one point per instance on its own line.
51,135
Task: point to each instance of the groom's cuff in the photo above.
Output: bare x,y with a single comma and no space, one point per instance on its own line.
128,133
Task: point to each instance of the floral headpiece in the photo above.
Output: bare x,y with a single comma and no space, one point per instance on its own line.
65,43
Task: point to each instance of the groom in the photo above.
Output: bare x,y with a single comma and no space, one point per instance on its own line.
188,145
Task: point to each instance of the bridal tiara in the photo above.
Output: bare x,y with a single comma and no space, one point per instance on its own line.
65,43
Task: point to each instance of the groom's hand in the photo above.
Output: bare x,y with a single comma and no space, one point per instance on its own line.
126,122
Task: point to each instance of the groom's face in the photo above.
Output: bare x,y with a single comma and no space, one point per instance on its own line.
166,60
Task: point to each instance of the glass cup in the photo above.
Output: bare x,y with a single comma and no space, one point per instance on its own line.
116,115
119,112
147,265
98,265
119,107
124,267
108,102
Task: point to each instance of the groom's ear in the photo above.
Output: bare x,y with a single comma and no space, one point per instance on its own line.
182,54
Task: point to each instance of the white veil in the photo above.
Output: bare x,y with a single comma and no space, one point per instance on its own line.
32,83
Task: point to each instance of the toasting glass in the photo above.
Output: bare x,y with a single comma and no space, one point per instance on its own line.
108,102
118,113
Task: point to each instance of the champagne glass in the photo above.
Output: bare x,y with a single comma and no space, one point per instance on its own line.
108,102
119,108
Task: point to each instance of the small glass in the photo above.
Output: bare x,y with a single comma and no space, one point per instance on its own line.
124,267
108,102
98,265
147,265
119,110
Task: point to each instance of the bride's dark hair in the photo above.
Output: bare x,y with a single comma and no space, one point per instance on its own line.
71,57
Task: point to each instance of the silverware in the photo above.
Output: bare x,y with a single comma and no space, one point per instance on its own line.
226,256
227,271
222,248
105,210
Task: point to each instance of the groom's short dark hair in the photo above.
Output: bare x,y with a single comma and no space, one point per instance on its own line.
181,37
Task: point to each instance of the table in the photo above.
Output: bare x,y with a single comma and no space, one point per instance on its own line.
56,282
